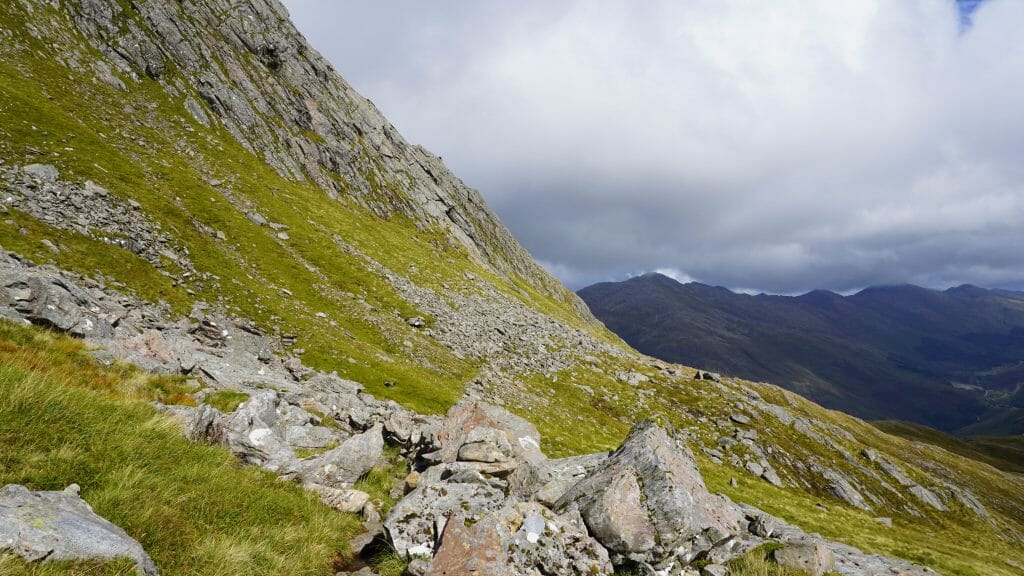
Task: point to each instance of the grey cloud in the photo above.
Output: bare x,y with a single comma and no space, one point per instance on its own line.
777,146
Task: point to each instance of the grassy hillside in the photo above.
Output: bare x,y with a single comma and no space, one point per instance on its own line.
1003,423
1003,452
64,419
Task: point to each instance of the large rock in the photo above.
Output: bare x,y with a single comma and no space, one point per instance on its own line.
50,300
416,522
555,544
548,481
341,499
341,467
842,487
251,432
524,538
647,500
477,549
814,558
204,424
42,172
928,497
618,516
59,526
479,432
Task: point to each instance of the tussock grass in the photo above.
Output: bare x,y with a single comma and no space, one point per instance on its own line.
226,400
192,507
13,566
389,564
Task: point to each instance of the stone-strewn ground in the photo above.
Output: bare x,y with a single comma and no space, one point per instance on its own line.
482,495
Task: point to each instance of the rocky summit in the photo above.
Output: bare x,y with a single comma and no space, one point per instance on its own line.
221,258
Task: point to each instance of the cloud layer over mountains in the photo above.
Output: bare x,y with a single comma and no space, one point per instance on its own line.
775,146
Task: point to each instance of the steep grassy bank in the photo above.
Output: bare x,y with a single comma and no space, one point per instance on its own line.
64,419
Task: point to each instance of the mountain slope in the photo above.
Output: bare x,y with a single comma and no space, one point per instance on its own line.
200,154
945,359
196,124
1003,452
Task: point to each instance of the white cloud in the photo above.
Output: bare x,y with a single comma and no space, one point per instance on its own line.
780,145
675,274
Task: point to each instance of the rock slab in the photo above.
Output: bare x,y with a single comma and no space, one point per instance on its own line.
60,526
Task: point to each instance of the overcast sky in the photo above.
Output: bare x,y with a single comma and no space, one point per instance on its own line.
777,146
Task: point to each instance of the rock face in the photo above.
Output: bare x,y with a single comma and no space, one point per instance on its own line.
477,432
50,300
476,549
57,526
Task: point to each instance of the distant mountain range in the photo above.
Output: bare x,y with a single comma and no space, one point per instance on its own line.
953,359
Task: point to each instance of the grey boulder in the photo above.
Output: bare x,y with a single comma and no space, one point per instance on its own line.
524,538
251,433
416,522
60,526
647,500
341,467
814,558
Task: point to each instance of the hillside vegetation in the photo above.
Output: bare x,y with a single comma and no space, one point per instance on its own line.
1003,452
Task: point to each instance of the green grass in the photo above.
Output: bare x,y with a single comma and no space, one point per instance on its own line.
389,564
226,400
192,507
11,565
